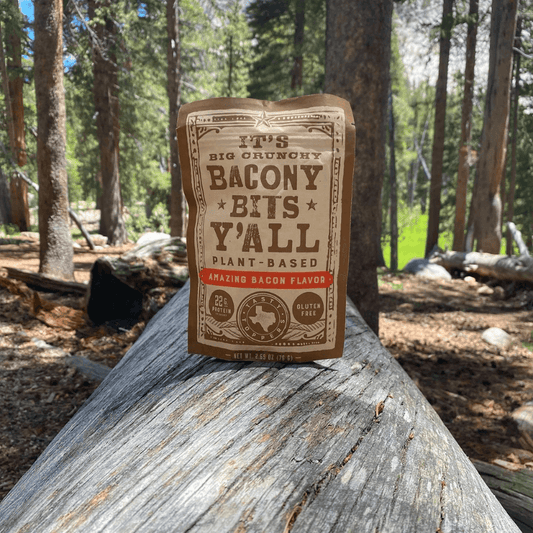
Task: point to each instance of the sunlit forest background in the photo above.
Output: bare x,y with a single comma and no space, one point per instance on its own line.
246,49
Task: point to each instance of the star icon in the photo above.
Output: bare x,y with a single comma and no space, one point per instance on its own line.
262,120
311,205
221,204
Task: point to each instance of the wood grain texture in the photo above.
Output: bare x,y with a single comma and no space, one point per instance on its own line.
174,442
513,489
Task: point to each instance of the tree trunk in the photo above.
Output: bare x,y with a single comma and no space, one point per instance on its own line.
178,442
439,127
13,87
512,182
107,120
299,28
393,193
487,209
174,102
466,130
56,251
358,45
5,200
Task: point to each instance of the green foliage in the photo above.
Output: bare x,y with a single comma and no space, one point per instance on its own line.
272,23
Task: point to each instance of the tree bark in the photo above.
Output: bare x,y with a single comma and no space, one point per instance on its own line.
299,29
174,102
466,130
487,204
393,192
512,182
439,127
13,89
358,47
106,103
5,200
56,251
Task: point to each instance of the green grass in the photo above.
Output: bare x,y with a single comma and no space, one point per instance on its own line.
412,240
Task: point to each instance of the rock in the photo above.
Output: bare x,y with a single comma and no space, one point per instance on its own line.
76,245
151,237
485,290
99,240
497,337
424,269
470,280
499,293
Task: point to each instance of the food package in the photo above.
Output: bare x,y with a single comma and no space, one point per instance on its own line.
268,187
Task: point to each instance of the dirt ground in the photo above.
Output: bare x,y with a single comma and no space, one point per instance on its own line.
433,328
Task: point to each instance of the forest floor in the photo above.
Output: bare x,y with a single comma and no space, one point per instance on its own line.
433,328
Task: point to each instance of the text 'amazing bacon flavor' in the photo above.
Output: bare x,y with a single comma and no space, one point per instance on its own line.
269,188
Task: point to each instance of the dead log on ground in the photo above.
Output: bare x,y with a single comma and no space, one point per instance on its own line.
129,287
500,267
185,443
45,282
514,491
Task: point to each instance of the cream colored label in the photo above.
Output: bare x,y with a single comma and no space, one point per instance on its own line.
267,237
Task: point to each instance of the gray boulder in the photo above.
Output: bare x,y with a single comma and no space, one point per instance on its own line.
424,269
497,337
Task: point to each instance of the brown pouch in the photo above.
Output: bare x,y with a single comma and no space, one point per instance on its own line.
269,187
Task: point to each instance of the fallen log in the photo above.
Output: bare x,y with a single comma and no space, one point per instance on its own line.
178,442
36,280
500,267
514,491
134,285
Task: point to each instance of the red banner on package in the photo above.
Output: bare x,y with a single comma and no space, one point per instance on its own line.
263,280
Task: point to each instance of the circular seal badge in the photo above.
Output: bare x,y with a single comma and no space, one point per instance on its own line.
263,317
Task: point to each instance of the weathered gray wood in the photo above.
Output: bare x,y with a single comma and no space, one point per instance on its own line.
46,282
174,442
517,236
514,490
500,267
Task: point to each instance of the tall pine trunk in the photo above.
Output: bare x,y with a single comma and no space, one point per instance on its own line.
358,48
466,130
487,203
437,155
13,91
299,28
106,103
56,251
512,182
393,192
174,102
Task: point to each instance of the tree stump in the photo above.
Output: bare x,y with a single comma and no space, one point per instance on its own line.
125,288
176,442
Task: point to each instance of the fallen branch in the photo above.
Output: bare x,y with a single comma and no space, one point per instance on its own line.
45,282
517,236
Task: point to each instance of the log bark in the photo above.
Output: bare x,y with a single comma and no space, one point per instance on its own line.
179,442
500,267
45,282
124,288
514,491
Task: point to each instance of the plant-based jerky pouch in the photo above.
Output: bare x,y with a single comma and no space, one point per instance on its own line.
269,188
